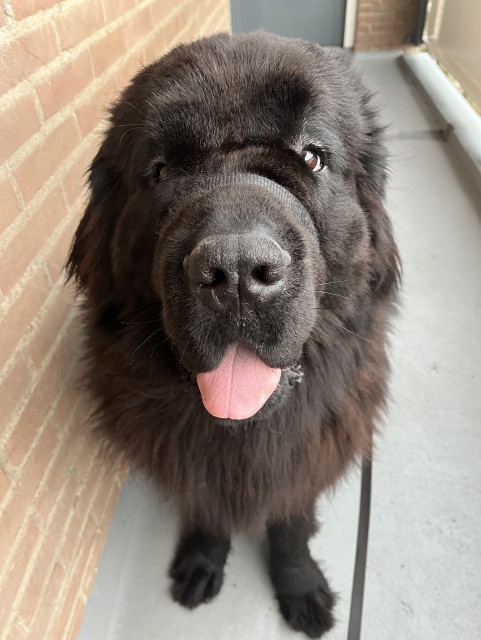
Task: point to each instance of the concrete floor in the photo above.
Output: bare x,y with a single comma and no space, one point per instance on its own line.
424,566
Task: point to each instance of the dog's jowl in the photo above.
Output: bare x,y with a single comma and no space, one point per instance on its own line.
239,268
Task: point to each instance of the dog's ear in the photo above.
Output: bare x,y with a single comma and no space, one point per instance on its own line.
370,178
385,263
89,261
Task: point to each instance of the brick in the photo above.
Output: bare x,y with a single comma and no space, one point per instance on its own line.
4,484
160,10
109,49
19,122
29,424
57,255
3,16
94,110
67,401
13,633
71,411
74,579
140,25
129,68
13,388
60,363
109,507
76,618
25,246
50,602
20,57
8,205
151,51
165,37
49,329
78,565
42,567
17,566
116,8
102,499
62,509
77,340
45,159
32,419
367,18
94,559
56,480
89,535
176,31
75,180
65,84
363,29
82,508
25,8
21,314
76,22
87,457
75,534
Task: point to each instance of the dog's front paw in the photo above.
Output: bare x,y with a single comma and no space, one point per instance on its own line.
310,612
195,581
198,569
305,600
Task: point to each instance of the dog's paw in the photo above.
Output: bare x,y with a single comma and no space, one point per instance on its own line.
310,612
195,583
198,570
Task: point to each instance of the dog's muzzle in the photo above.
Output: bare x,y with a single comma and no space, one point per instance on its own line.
243,270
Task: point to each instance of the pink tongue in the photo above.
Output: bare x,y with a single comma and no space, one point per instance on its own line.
239,386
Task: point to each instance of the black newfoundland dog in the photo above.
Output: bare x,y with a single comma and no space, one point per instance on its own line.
239,269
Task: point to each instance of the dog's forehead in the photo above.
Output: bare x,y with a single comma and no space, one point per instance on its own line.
208,95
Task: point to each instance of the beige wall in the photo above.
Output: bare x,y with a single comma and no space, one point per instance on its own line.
454,37
60,65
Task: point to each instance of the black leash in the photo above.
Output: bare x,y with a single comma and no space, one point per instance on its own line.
357,597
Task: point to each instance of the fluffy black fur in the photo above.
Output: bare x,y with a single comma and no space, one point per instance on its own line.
218,107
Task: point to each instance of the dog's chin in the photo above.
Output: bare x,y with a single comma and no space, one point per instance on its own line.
277,400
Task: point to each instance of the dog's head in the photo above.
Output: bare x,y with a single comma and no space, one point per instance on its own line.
237,194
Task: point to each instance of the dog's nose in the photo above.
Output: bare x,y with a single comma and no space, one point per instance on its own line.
237,271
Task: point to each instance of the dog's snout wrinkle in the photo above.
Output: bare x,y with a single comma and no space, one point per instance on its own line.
231,271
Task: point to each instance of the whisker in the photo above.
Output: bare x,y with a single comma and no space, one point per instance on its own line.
338,295
128,131
131,105
143,342
140,322
137,125
157,342
334,282
351,332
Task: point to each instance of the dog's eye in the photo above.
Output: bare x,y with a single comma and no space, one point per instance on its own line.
158,170
313,159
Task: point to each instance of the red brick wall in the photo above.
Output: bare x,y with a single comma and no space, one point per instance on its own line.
385,24
60,64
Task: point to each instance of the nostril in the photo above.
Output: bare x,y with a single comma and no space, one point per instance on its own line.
260,274
268,274
218,277
237,270
201,273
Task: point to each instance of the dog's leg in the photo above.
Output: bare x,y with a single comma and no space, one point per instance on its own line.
301,589
198,567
